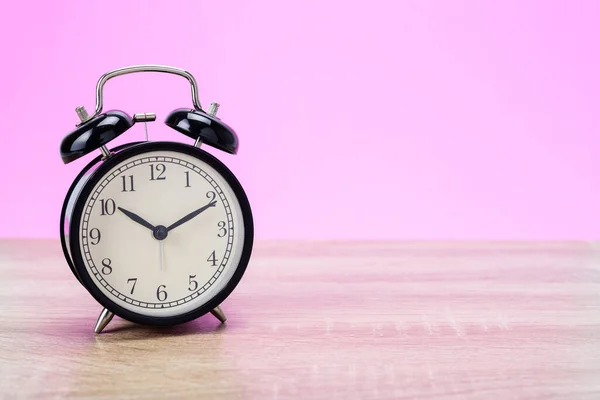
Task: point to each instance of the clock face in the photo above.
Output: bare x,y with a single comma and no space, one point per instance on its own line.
161,233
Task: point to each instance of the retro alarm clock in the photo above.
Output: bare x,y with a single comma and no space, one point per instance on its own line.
159,233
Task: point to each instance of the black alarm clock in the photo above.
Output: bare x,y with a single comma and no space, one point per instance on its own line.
159,233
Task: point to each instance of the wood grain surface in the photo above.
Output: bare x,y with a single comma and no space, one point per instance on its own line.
322,321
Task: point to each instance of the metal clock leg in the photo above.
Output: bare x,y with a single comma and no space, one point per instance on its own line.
219,314
103,320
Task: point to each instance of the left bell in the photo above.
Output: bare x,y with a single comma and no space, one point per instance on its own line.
94,133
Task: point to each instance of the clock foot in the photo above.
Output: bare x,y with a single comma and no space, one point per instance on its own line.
219,314
103,320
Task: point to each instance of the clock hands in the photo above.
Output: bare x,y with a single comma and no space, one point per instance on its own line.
190,216
160,232
137,219
161,254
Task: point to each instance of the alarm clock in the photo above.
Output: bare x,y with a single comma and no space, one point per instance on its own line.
159,233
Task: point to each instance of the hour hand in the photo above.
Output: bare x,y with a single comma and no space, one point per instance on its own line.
137,218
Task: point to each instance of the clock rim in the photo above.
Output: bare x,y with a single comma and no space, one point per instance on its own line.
100,172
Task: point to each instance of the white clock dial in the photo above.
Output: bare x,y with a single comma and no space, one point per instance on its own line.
130,211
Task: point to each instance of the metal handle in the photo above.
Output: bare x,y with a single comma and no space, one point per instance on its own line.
144,68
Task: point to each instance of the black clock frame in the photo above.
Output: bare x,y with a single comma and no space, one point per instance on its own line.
72,251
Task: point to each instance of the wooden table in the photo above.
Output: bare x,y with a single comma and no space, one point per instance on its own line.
322,321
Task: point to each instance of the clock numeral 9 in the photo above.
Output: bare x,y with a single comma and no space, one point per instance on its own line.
134,280
106,268
157,170
107,206
161,295
212,259
222,229
193,283
95,235
127,188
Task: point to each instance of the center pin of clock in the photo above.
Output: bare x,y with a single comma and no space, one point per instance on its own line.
160,232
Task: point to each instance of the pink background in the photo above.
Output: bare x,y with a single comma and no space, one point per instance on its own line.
364,120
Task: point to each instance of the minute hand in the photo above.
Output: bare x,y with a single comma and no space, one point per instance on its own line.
190,216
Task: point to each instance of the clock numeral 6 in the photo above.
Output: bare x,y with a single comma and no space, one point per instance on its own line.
95,235
212,259
106,268
222,229
161,295
193,283
134,280
107,206
157,171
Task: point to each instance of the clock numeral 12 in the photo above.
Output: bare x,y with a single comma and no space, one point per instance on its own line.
107,206
160,170
212,259
187,179
124,179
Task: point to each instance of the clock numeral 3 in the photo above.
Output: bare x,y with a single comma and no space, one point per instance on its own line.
161,295
106,268
212,259
222,229
108,206
157,170
193,283
134,280
126,187
95,235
